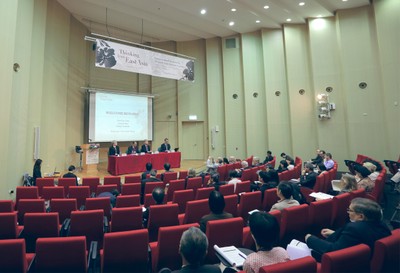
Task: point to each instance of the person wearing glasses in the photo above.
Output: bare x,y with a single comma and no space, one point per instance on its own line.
365,227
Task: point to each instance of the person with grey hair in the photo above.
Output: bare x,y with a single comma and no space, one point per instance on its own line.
193,249
365,227
114,148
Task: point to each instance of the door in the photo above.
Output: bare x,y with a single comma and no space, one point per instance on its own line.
192,140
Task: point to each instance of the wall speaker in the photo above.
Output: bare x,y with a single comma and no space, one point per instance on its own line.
36,143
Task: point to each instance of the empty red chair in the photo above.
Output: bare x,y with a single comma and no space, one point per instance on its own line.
80,193
195,210
248,201
92,182
194,183
9,228
320,213
228,189
231,204
99,203
358,193
243,186
38,225
294,223
130,189
181,198
203,193
64,207
132,179
66,253
303,265
125,251
355,259
6,206
175,185
49,193
269,199
150,186
66,183
124,219
87,223
377,191
26,193
327,183
44,182
226,232
13,257
168,176
223,172
29,205
128,201
386,254
113,180
106,188
247,174
161,216
183,174
340,216
165,252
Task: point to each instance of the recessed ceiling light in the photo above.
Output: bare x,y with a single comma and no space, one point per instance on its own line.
231,23
288,20
233,9
266,7
302,4
344,0
203,11
258,21
319,15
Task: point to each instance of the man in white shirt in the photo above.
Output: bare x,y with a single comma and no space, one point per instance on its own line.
328,162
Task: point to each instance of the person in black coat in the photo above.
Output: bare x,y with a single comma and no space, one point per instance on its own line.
114,149
133,149
70,174
309,177
146,148
165,146
365,227
37,172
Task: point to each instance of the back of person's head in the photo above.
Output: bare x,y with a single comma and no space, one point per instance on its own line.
370,209
269,153
149,166
349,182
273,175
286,189
310,166
321,167
225,160
322,152
71,168
284,163
167,166
193,246
215,178
233,174
283,155
153,173
158,195
329,155
244,164
371,167
265,229
216,202
192,172
38,162
264,176
115,192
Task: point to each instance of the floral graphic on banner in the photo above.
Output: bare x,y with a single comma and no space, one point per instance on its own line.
105,54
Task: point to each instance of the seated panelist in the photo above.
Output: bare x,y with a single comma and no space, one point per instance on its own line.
165,146
146,148
114,149
133,149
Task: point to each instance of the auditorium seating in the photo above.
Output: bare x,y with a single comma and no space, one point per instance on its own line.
26,193
29,205
248,201
243,186
227,189
194,211
150,186
92,182
102,203
183,174
113,180
129,218
6,206
270,198
13,257
168,176
80,193
66,183
64,207
340,205
231,204
175,185
294,224
49,193
9,228
128,201
320,215
302,265
161,216
130,189
89,224
44,182
386,254
182,197
131,179
106,188
194,183
203,193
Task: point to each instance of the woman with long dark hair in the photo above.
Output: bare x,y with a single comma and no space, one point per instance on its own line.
37,172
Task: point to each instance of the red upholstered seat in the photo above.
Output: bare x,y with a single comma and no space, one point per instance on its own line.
243,186
228,189
6,206
302,265
175,185
182,197
150,186
132,188
294,223
168,176
66,183
13,257
248,201
231,204
124,219
194,183
26,193
49,193
102,203
194,211
80,193
386,254
29,205
161,216
44,182
64,207
203,193
320,213
92,182
88,223
113,180
269,199
131,179
339,210
183,174
128,201
106,188
9,228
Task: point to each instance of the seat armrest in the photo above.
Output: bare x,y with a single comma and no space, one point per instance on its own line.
31,265
105,224
93,257
82,207
64,231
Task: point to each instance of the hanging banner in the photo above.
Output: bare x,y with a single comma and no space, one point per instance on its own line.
133,59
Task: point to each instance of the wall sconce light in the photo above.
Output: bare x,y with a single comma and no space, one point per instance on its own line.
324,106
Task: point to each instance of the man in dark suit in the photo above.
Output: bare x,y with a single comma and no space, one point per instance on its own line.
114,149
145,147
152,178
193,248
165,146
308,177
365,227
268,158
133,149
70,174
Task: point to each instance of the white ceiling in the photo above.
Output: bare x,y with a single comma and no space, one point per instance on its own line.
180,20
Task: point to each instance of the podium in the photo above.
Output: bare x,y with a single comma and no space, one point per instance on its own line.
90,157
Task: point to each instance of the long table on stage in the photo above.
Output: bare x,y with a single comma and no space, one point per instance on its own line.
118,165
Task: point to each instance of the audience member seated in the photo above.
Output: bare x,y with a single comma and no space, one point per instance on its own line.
167,169
282,166
362,178
285,194
245,166
216,202
256,162
232,159
268,158
269,180
321,168
225,160
149,167
158,196
328,162
234,177
70,174
372,168
365,227
290,163
318,159
265,231
214,181
211,165
112,195
308,177
152,178
348,183
193,249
